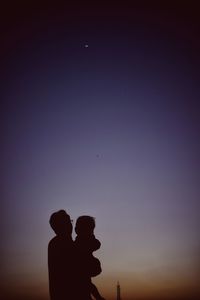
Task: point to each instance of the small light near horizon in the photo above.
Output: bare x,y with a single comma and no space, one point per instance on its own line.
86,45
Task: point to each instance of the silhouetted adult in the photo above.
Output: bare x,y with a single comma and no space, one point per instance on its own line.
61,258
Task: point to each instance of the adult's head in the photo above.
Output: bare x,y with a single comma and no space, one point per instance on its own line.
61,223
85,225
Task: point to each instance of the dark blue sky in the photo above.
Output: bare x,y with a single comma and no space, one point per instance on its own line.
110,130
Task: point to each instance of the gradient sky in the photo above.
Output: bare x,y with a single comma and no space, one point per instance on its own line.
110,130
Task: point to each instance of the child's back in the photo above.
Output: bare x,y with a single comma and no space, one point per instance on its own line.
86,243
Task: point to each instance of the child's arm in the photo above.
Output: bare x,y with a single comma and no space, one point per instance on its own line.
95,293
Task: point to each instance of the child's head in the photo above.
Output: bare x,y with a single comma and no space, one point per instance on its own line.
85,225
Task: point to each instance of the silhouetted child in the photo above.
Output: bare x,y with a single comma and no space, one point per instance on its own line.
87,243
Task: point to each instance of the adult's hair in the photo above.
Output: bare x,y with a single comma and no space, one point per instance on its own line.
60,222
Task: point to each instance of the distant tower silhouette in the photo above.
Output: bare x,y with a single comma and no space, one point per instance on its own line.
118,291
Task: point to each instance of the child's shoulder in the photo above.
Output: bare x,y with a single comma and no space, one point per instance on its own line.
95,243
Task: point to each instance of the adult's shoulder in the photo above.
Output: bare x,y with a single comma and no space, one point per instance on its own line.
54,241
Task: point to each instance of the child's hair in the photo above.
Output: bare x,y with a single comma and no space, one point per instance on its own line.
85,224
